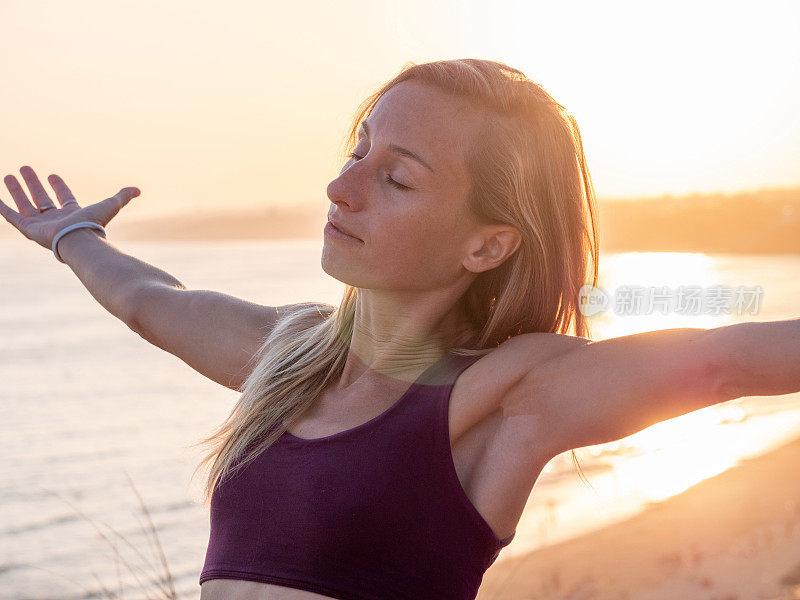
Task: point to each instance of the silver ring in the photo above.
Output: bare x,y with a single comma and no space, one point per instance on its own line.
69,202
46,207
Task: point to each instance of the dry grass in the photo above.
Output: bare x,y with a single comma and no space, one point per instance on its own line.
154,580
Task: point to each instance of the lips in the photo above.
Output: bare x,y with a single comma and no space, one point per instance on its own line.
343,229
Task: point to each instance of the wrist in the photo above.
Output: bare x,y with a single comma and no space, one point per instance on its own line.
71,242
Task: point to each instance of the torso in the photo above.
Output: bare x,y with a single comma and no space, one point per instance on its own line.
497,456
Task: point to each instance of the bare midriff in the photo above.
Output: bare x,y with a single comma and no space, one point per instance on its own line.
233,589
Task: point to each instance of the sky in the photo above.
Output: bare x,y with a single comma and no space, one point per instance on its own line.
206,108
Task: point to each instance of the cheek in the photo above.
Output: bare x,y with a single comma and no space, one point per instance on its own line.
419,247
408,235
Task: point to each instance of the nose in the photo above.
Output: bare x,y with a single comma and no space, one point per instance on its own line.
345,191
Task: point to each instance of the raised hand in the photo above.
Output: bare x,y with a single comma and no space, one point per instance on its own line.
41,220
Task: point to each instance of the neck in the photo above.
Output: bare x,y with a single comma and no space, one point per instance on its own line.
400,337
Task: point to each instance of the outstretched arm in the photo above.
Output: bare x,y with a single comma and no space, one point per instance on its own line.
764,358
596,392
110,275
216,334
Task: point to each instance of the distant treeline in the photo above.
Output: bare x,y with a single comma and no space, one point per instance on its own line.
766,221
760,222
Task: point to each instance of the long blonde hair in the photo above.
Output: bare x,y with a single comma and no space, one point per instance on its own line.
527,170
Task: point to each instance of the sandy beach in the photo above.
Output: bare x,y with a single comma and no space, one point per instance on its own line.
735,536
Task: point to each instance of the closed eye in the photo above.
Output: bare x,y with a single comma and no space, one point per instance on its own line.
388,178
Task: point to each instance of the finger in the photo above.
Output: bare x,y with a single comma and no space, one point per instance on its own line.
38,193
120,199
126,194
63,193
20,197
10,215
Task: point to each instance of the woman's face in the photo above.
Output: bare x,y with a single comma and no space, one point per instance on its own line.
410,214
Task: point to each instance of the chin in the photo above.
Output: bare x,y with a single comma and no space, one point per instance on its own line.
337,268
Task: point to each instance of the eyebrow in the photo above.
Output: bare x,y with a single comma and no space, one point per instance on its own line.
401,151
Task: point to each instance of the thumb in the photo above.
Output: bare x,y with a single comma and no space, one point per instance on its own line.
128,193
111,206
122,197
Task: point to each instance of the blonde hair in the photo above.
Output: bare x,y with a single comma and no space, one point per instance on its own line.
527,170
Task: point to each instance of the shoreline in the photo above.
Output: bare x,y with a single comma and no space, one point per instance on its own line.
734,536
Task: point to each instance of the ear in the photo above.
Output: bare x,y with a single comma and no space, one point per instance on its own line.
490,247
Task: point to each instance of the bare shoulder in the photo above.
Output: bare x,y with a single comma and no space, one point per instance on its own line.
484,387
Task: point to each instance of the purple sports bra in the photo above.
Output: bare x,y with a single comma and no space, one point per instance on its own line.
375,512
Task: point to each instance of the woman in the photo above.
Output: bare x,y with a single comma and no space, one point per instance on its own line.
386,448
